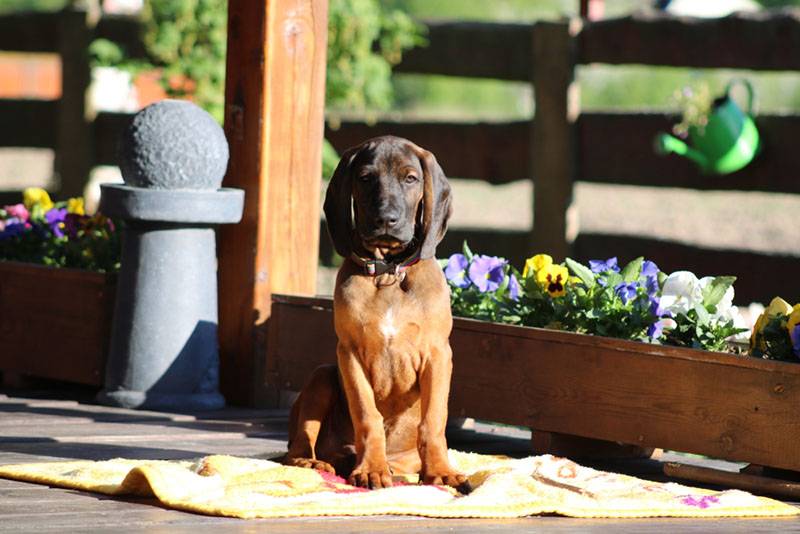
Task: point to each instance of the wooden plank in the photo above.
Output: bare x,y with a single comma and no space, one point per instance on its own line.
107,131
483,43
618,148
495,152
597,387
29,32
34,123
764,40
760,277
274,124
553,144
73,129
55,323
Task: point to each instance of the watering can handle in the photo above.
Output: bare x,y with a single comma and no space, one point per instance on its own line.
750,93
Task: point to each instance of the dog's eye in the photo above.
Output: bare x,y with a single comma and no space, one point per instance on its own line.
411,178
367,176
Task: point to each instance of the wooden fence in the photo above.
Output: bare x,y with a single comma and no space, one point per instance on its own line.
558,147
561,145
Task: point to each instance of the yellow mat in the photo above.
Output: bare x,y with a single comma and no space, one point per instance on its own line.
503,487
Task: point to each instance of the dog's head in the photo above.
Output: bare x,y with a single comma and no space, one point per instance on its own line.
387,195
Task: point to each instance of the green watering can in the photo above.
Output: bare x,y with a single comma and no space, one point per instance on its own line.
727,143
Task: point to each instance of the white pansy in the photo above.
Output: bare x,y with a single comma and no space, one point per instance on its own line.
681,292
725,304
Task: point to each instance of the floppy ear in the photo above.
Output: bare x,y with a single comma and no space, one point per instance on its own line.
339,204
436,203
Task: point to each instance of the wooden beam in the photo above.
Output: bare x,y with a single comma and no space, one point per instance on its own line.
29,32
73,159
34,123
765,40
274,124
494,152
553,146
472,49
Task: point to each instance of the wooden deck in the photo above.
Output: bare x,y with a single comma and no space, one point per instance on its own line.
43,426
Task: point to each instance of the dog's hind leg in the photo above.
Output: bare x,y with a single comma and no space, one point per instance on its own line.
311,408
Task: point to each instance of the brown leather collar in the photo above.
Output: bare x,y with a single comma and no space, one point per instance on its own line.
373,267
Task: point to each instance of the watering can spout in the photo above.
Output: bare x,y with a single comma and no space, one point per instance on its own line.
666,144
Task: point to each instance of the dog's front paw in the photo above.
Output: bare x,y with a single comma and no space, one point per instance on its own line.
371,476
319,465
447,477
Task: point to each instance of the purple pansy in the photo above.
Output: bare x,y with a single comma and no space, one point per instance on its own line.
795,335
55,218
456,270
600,266
626,291
14,227
18,211
513,288
649,269
655,330
486,272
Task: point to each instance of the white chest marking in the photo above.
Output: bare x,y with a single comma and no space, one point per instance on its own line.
387,326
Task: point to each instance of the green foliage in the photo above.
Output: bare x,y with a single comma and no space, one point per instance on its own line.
637,302
186,40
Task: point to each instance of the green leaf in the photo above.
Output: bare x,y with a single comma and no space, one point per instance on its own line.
703,317
613,279
581,271
713,292
466,251
632,271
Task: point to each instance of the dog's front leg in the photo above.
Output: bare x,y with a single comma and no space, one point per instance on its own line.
372,469
434,380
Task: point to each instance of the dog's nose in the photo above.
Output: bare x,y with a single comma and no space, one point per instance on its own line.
388,219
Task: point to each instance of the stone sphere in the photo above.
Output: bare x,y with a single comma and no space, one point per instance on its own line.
173,144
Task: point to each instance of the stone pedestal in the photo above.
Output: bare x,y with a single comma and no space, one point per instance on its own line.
164,348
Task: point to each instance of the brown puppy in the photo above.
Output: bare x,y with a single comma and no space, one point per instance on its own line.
383,410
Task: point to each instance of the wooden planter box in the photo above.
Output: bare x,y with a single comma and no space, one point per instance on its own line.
55,323
721,405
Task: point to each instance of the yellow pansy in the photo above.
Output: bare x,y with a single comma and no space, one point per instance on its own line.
75,205
776,307
553,279
536,263
36,196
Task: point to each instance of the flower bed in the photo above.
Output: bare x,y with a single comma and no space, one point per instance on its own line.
635,302
55,317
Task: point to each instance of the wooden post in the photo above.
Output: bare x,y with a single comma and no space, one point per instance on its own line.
553,151
274,101
73,160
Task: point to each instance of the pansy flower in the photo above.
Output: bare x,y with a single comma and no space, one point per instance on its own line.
18,211
36,196
793,326
536,263
487,272
553,279
626,291
456,270
55,219
513,288
600,266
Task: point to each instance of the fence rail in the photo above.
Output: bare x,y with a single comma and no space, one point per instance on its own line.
564,146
